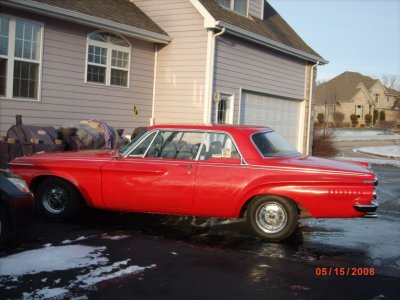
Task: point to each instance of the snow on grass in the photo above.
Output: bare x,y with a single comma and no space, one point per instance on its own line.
363,135
385,151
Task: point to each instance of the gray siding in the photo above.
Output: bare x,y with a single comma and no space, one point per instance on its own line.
256,8
181,65
66,98
242,66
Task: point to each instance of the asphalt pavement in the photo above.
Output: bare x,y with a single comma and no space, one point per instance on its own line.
139,256
105,255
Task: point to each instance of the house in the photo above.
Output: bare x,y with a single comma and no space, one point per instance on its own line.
353,93
141,62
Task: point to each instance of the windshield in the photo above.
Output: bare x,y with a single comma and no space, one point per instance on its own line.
271,144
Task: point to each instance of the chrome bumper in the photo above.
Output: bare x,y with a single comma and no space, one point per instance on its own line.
369,209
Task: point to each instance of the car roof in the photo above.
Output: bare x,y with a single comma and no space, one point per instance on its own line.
215,127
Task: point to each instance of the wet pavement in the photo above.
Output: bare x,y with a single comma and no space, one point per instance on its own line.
105,255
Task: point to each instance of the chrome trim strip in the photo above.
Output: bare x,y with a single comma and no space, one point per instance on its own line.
20,164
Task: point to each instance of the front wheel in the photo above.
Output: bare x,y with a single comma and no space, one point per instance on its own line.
57,199
272,218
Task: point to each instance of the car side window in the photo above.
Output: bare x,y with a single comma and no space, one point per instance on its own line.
140,149
218,145
176,145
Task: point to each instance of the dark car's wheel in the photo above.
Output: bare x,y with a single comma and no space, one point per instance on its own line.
272,218
4,226
57,199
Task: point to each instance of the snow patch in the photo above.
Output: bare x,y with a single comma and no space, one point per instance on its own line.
45,293
50,259
362,135
385,151
115,237
92,267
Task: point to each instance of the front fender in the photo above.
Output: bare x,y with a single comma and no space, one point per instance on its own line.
87,184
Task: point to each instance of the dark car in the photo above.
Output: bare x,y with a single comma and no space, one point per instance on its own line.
16,204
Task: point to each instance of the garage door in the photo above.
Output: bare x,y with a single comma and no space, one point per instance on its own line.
282,115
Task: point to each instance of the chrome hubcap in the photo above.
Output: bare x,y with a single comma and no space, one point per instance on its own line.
271,217
55,200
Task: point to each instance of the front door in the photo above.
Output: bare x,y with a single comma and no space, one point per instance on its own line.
156,176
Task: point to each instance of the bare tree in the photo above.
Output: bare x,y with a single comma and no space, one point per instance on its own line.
391,81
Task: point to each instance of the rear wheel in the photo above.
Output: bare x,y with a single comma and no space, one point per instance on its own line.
4,226
272,218
57,199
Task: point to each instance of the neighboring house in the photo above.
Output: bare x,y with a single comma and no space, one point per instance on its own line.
170,61
353,93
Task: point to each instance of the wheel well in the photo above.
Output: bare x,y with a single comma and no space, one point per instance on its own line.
247,203
38,180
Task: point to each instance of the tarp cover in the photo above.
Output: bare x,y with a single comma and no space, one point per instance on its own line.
24,133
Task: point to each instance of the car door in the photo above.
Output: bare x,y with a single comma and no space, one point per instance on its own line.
157,175
221,177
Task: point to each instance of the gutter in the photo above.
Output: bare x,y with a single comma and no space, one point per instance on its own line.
84,19
255,38
209,85
153,105
309,107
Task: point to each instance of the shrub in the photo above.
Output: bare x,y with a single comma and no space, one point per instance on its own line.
368,119
321,118
323,143
354,119
338,118
375,116
382,115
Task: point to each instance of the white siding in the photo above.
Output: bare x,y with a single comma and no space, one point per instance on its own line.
181,65
256,8
67,98
242,66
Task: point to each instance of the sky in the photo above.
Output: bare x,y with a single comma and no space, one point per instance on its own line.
353,35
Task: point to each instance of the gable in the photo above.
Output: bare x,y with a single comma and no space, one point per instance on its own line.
271,31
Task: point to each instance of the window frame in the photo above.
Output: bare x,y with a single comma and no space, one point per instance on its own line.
108,66
229,109
10,57
126,153
232,7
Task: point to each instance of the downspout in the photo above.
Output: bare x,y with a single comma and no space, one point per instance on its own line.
153,105
310,106
210,75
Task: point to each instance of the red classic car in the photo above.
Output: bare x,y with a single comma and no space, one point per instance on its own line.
215,171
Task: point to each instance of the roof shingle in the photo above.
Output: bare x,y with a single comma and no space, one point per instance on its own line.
343,87
119,11
272,27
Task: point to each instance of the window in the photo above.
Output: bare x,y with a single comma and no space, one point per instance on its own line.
20,58
240,6
377,97
218,145
359,111
271,144
108,59
184,145
224,110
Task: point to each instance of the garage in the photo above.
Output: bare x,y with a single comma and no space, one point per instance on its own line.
281,114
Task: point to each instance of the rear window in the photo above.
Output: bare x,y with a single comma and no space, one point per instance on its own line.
271,144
